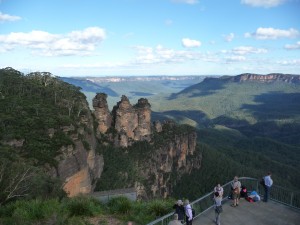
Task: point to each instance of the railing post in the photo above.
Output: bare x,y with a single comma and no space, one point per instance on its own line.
292,197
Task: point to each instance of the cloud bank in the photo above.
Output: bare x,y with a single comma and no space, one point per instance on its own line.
82,42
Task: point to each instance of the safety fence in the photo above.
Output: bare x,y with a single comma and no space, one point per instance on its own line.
201,205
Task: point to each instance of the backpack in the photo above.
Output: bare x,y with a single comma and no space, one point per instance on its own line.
193,212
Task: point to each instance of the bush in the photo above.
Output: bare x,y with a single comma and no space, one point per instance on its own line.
82,206
159,208
120,205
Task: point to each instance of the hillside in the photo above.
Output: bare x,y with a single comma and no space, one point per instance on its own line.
48,128
251,122
267,108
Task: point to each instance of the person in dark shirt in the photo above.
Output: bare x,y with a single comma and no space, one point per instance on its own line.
179,210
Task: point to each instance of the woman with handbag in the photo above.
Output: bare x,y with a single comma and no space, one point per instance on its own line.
236,188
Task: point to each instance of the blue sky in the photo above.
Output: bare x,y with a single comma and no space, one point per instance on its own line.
150,37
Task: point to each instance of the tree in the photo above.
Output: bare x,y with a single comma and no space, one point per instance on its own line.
15,179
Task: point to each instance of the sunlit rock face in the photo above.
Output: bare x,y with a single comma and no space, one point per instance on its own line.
78,164
102,114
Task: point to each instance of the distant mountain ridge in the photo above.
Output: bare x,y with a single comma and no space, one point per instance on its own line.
136,78
288,78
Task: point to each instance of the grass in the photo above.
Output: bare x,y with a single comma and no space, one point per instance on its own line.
80,210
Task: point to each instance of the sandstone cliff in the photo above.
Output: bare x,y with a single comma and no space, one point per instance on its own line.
172,153
171,161
79,165
131,122
267,78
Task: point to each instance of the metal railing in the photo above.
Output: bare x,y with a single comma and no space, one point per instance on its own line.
201,205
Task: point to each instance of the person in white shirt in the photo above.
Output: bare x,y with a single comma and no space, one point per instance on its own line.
219,189
268,184
188,213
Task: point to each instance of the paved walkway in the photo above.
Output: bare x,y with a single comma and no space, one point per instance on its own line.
256,213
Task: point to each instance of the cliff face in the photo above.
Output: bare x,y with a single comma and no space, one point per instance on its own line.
78,164
268,78
174,153
132,123
177,157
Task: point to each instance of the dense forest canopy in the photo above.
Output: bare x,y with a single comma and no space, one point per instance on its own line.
30,106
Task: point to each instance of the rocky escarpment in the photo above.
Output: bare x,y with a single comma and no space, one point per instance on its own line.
166,166
79,165
173,148
267,78
131,122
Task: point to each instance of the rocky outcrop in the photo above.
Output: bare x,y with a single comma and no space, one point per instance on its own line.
267,78
102,114
125,118
174,152
131,123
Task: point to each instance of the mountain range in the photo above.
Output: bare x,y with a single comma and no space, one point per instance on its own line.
250,120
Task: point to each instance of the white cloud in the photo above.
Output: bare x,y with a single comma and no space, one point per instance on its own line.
271,33
159,54
229,37
189,43
6,17
190,2
293,47
294,62
263,3
243,50
235,58
82,42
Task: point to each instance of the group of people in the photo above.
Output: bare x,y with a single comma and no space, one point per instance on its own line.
185,210
182,210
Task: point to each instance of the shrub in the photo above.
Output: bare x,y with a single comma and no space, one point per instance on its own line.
158,207
82,206
121,205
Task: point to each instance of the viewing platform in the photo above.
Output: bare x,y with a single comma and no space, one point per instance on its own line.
283,208
252,213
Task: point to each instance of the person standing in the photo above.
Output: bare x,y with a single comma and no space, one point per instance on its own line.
175,220
218,207
179,210
219,189
236,189
268,184
188,213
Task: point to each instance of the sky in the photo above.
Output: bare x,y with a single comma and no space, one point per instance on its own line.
150,37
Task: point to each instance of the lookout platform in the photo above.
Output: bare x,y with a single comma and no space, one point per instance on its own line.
252,213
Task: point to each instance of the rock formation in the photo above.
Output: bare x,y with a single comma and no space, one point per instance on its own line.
132,123
102,114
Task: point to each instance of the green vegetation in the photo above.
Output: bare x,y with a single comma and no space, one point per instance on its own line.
243,129
81,210
38,113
